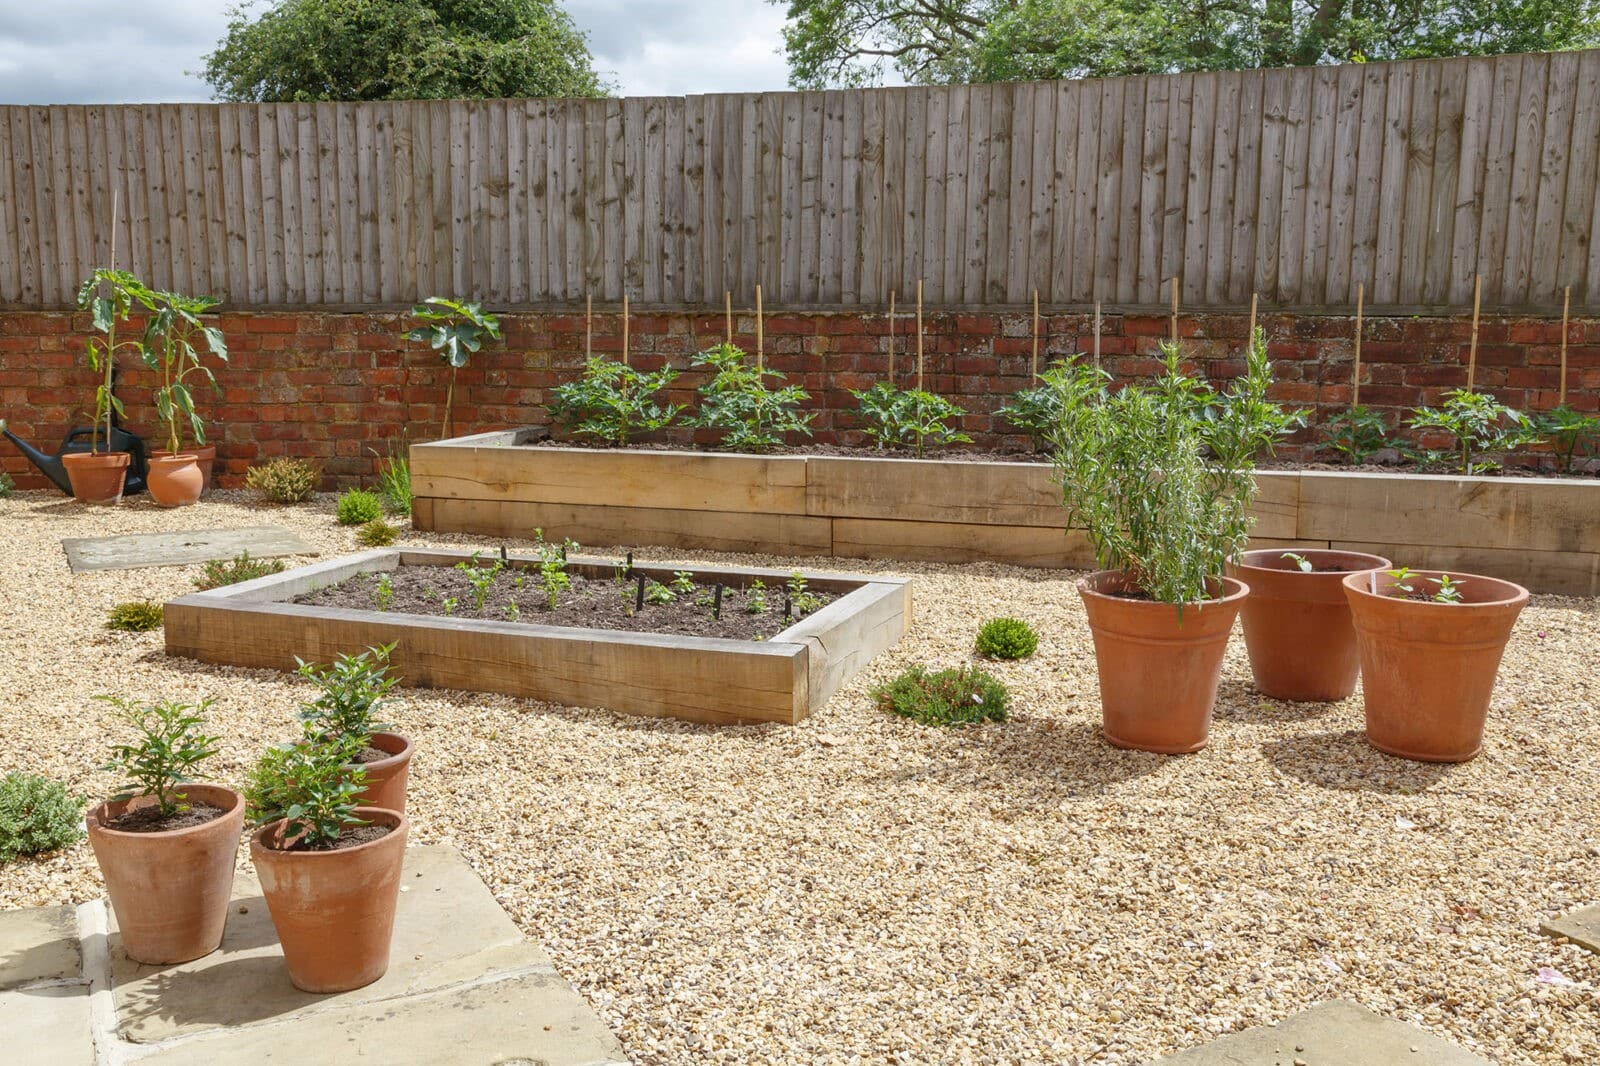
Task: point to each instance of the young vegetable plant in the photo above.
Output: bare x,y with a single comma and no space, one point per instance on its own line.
899,418
455,330
169,747
658,594
109,296
757,603
738,401
170,336
1571,434
1358,433
1037,410
1448,591
314,784
553,568
481,578
1484,430
1300,561
383,591
801,597
613,401
351,690
682,582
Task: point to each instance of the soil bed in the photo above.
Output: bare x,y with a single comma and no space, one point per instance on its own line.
150,819
590,603
350,838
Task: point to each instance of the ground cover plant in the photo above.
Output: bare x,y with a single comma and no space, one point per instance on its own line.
284,480
37,815
1006,638
962,696
168,748
376,534
909,418
217,572
614,402
737,401
357,507
135,616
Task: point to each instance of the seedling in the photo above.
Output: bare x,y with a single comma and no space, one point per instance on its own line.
1300,561
682,582
657,593
1358,434
169,747
481,578
384,592
1449,590
449,605
897,419
553,570
757,603
737,400
805,601
513,612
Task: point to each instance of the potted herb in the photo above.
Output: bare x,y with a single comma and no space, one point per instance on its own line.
352,689
455,330
97,476
166,847
1297,622
1162,476
179,475
1430,645
329,868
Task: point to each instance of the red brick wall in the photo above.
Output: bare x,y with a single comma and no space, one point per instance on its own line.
334,387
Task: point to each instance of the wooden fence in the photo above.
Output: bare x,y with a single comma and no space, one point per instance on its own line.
1408,178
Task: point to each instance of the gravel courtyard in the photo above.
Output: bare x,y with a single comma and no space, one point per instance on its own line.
863,889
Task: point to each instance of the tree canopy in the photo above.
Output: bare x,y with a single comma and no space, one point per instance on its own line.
859,42
304,50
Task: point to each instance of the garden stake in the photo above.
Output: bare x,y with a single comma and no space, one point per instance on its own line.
1250,336
588,324
1097,334
1355,387
1036,334
760,335
503,560
1175,309
787,607
727,313
716,602
628,570
1472,351
891,337
919,334
638,596
1566,305
624,329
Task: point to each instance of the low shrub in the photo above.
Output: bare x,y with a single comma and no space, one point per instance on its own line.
394,481
1007,638
135,616
37,815
7,484
358,507
962,696
284,480
376,534
240,568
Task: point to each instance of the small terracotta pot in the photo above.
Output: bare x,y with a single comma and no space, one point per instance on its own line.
1428,669
205,456
97,478
386,778
1158,672
1297,624
333,910
174,480
170,891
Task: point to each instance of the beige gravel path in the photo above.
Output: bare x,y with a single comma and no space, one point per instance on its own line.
863,889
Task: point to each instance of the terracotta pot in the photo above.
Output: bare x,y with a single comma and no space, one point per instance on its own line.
1428,669
1158,673
204,454
97,478
386,778
170,891
1297,624
333,910
174,480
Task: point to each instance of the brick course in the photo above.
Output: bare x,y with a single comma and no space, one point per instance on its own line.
337,387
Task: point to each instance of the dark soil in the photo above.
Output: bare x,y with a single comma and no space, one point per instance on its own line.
591,603
361,834
149,819
371,754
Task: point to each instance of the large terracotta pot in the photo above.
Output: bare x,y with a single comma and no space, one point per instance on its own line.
1297,624
1158,671
170,890
174,480
1428,669
386,778
333,910
205,456
97,478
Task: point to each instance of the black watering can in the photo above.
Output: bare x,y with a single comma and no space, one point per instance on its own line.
81,439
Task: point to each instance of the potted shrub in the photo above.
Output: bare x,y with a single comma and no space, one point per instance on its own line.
1162,477
1297,621
180,474
1430,645
329,868
166,847
97,476
353,688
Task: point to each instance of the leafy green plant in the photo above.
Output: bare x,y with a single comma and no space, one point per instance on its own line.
393,473
314,785
376,534
284,480
109,296
1357,433
37,815
481,578
135,616
1036,411
455,330
1447,589
899,418
613,401
383,591
170,746
1571,434
1484,430
738,401
658,594
682,582
350,691
449,605
513,612
801,597
169,347
8,484
1161,476
962,696
1006,638
241,567
553,568
358,507
757,603
1301,563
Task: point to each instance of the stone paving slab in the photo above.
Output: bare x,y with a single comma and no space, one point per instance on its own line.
136,550
39,944
1336,1033
1582,927
46,1026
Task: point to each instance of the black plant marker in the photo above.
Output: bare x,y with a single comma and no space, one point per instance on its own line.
503,560
638,597
787,608
627,571
716,603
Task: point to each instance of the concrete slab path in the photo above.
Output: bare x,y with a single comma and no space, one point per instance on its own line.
1336,1033
135,550
1582,927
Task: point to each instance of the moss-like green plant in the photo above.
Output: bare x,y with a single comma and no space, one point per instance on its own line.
37,815
241,567
284,480
135,616
1007,638
358,507
963,696
376,534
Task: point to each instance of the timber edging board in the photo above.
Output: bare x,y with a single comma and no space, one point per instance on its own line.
1543,533
701,679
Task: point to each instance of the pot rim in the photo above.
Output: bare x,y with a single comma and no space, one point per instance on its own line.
397,757
1085,587
258,838
1243,564
118,458
95,822
179,458
1518,594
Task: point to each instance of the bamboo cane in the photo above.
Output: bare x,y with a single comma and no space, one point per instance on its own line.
1472,350
1174,309
919,334
1097,334
1250,337
588,324
1036,334
1566,306
727,313
760,334
1355,387
624,329
891,336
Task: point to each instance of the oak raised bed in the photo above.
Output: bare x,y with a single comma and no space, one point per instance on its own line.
702,679
1543,533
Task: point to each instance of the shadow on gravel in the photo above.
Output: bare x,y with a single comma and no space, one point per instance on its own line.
1238,701
1345,761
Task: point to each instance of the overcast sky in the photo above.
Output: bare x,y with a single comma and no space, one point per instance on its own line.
111,51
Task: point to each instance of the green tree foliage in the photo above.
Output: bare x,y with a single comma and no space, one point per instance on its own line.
858,42
304,50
